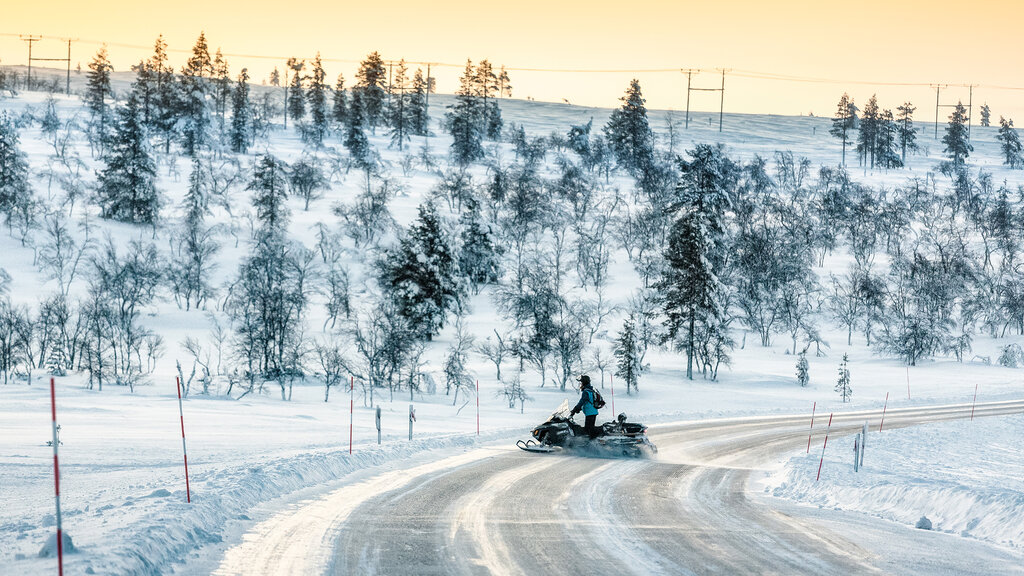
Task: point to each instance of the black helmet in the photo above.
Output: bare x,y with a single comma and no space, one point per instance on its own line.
584,380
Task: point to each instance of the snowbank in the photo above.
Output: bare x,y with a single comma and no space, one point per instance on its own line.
966,477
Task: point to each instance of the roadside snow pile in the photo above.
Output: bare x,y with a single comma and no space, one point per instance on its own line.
966,477
155,532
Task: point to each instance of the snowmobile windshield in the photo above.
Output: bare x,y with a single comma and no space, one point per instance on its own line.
562,413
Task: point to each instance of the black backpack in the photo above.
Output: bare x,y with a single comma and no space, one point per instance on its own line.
598,400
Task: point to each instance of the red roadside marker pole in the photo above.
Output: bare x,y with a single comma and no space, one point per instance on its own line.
56,480
813,408
883,411
184,452
477,407
822,461
975,400
351,408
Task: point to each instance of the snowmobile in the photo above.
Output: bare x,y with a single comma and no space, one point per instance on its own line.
618,438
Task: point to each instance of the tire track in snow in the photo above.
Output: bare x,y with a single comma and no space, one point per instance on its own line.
301,540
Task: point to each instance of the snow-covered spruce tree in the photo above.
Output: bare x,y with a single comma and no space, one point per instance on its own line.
269,298
127,184
504,84
143,86
802,370
339,102
629,133
867,136
958,146
356,142
418,116
488,89
843,384
922,297
844,122
1010,144
986,115
1010,355
50,122
398,111
371,82
578,140
220,78
479,255
628,363
421,274
296,104
164,94
193,86
97,94
689,286
241,134
887,141
316,96
194,246
464,119
907,134
1001,220
15,188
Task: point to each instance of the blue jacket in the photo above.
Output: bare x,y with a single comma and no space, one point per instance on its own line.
586,403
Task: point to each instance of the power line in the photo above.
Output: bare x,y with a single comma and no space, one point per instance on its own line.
740,73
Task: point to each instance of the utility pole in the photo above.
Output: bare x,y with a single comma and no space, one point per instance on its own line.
30,40
689,74
970,106
937,88
31,59
721,103
67,85
970,109
391,64
426,104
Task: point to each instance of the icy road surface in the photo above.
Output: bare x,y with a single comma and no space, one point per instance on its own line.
692,510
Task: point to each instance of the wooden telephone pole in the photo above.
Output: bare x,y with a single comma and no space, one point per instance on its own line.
689,88
30,40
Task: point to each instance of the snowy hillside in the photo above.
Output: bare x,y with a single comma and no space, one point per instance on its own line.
258,443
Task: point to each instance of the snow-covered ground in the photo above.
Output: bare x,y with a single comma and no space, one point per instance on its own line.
122,478
965,477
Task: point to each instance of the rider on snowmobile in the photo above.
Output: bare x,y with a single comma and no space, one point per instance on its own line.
586,405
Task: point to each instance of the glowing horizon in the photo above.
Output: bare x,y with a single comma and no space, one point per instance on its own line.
905,46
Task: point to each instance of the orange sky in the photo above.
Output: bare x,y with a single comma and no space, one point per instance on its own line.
910,41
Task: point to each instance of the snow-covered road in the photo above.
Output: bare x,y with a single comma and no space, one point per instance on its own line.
693,509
